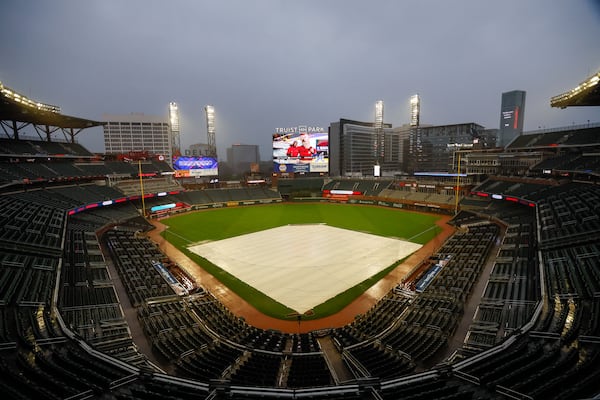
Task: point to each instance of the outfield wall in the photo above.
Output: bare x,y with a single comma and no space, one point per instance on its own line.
186,206
421,207
408,206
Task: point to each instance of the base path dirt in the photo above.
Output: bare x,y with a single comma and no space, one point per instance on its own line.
252,316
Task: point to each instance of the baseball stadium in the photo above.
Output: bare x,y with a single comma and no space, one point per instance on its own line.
120,281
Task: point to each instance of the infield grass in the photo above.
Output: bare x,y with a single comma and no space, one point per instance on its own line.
222,223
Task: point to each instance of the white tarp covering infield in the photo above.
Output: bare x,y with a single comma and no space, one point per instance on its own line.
302,266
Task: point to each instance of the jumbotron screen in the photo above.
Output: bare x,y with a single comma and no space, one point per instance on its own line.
300,151
195,166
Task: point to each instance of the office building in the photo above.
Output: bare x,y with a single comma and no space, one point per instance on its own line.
137,132
512,114
432,148
241,156
352,144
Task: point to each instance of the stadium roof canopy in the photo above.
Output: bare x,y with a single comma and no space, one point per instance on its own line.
587,93
17,112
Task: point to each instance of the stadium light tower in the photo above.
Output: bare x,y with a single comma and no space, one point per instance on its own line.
174,127
379,137
210,130
415,110
379,114
414,137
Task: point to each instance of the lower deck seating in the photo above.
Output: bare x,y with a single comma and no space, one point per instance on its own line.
559,358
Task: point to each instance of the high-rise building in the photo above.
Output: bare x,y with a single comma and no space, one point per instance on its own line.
434,146
137,132
403,134
351,146
512,114
241,156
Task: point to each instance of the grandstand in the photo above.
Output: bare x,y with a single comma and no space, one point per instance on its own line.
84,313
215,353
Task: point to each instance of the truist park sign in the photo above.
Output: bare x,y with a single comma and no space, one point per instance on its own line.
301,149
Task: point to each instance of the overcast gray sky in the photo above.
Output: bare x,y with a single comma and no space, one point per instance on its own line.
265,64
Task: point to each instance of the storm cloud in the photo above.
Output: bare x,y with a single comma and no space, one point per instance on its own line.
266,63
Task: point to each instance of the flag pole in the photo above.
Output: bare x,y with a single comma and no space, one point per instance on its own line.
457,186
141,187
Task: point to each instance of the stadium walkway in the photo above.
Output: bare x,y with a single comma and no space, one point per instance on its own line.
335,360
130,312
457,340
240,307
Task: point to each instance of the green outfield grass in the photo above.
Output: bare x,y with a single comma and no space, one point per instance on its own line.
217,224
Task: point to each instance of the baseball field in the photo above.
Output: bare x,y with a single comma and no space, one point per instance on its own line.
194,230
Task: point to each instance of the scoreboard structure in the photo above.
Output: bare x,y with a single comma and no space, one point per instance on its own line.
300,150
195,166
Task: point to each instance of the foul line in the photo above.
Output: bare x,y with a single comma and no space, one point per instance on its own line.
420,233
179,236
